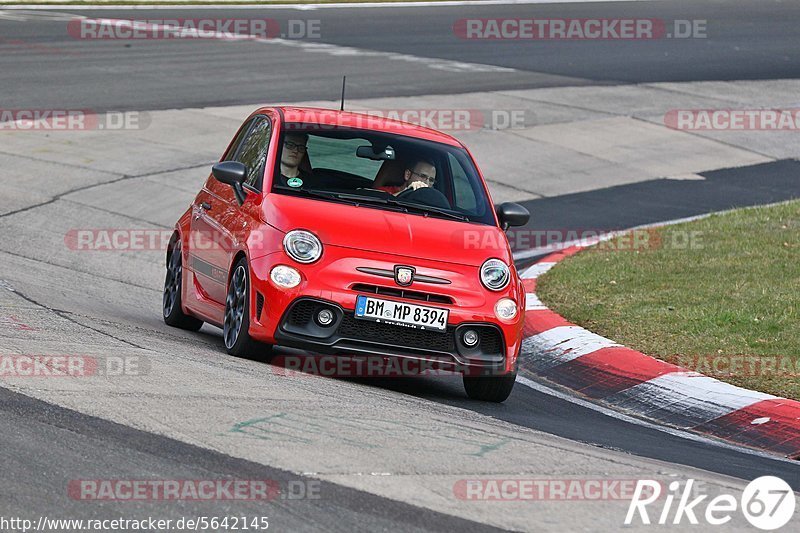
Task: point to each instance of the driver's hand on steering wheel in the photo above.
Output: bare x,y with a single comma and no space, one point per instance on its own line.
414,185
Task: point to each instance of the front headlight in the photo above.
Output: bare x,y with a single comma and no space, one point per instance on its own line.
495,274
505,309
285,277
302,246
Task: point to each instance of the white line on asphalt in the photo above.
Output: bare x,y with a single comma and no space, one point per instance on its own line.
303,7
544,389
324,48
10,15
35,15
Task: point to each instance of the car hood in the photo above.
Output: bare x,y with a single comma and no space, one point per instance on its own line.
380,230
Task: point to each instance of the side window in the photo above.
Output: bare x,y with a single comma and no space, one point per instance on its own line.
237,142
253,152
465,195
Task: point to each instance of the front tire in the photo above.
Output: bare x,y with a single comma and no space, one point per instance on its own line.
173,297
490,388
236,326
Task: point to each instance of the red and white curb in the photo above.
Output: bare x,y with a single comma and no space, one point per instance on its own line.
635,383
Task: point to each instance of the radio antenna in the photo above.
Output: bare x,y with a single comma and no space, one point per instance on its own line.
344,79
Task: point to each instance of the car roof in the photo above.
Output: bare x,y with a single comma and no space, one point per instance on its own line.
323,116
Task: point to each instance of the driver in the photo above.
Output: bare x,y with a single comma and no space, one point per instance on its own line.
420,174
292,155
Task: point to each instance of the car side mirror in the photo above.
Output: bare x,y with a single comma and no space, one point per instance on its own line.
511,214
234,174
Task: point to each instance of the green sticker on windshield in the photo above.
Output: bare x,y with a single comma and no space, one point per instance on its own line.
294,182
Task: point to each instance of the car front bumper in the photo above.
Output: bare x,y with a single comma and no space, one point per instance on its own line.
288,316
347,335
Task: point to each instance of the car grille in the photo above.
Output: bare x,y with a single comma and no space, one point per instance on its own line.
302,313
403,293
367,332
377,332
490,340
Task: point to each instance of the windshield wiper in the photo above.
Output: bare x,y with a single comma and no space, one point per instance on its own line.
352,199
420,208
318,194
427,209
358,199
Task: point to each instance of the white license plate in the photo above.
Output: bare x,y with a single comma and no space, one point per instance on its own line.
401,314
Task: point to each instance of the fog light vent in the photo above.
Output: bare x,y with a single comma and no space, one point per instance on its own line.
470,338
325,317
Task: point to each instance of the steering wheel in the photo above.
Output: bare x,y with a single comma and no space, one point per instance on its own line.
426,196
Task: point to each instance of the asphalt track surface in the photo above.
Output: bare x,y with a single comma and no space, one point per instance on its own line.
653,201
42,65
38,431
43,445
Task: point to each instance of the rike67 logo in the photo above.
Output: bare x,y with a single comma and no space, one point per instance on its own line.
767,503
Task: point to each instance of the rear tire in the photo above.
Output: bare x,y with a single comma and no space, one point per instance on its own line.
490,388
236,325
173,287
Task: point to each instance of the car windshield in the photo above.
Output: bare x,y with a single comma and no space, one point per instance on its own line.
380,170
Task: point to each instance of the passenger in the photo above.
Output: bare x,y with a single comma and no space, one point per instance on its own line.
292,157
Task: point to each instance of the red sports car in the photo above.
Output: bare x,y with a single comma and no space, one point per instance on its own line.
348,234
